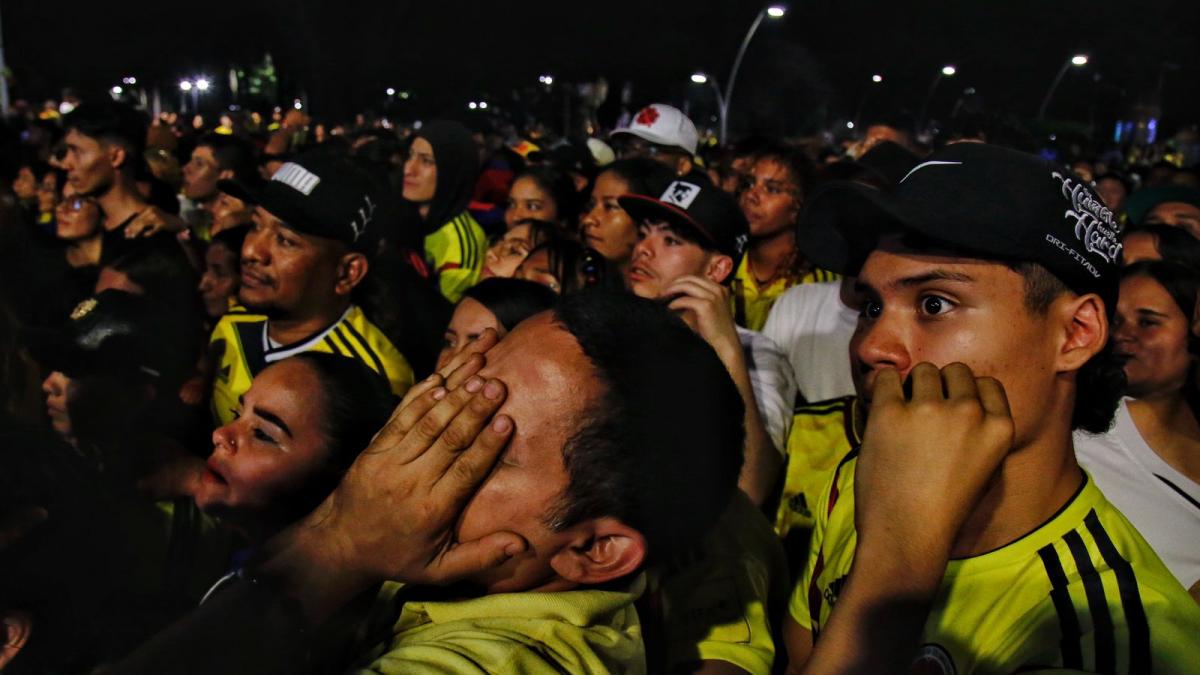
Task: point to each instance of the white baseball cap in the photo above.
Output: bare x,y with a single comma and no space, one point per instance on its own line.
665,125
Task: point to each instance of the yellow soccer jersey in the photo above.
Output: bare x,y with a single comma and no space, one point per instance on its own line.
240,339
455,253
751,304
717,602
822,434
1083,592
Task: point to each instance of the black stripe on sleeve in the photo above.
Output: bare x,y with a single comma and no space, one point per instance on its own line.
470,237
468,245
1068,622
1131,597
1093,586
366,348
462,245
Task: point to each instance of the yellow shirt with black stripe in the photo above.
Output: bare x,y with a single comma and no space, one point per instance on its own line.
822,434
1083,592
455,253
752,304
245,350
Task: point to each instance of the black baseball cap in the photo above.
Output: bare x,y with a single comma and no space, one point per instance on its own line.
700,207
121,334
323,196
982,199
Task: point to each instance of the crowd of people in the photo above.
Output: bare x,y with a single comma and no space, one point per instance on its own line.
449,399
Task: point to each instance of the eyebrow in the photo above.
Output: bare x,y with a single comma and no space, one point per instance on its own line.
1146,311
273,419
918,279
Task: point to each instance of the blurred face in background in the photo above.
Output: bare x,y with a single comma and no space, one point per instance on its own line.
528,200
1151,333
605,225
504,256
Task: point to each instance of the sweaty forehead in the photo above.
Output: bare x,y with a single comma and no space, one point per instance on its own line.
550,380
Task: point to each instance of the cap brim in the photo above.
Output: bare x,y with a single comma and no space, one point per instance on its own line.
641,207
54,350
652,137
843,222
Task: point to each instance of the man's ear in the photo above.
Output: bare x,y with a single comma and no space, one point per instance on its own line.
15,628
1085,330
718,267
116,155
352,269
604,549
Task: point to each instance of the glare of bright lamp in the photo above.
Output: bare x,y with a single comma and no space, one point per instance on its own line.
202,84
472,105
877,79
546,80
699,78
391,91
297,104
483,105
849,125
116,90
404,94
1079,59
776,11
185,85
949,71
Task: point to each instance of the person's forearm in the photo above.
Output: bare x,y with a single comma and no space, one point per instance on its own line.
882,609
762,459
259,623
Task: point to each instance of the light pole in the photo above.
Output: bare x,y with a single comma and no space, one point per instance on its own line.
947,70
1079,60
770,11
184,87
722,102
875,79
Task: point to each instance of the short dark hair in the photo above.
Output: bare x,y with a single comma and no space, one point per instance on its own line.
112,122
512,300
231,238
662,449
642,175
797,163
232,154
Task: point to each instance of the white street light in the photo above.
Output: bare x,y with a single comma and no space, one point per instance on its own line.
877,79
202,84
947,70
483,105
1078,60
116,90
297,104
185,85
546,80
773,11
699,78
391,91
404,95
849,125
472,105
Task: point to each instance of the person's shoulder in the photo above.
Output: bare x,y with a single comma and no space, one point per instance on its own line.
803,300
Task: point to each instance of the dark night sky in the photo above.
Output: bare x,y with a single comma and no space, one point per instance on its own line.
812,66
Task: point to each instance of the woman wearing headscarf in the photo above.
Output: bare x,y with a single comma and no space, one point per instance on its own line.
439,177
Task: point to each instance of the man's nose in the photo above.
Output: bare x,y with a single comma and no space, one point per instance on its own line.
882,345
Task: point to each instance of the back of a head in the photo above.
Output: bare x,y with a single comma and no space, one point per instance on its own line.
512,300
157,264
642,175
112,122
1172,243
662,450
232,154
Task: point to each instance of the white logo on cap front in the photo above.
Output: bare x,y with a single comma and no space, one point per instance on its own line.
681,194
922,165
297,177
1095,227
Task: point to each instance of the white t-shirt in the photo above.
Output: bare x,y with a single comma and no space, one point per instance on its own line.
1162,503
813,328
771,379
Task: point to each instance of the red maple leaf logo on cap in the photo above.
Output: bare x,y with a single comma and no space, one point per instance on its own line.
647,116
